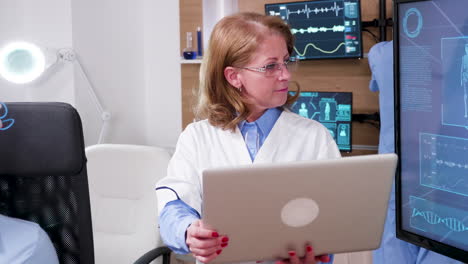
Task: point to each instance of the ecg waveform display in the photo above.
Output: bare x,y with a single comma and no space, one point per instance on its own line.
323,29
444,163
440,221
335,8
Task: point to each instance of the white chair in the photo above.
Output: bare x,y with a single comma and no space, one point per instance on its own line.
122,181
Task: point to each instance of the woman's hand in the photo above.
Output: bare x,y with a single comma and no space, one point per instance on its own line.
309,258
205,244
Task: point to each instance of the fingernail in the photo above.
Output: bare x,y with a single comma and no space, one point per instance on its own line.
292,253
219,251
224,245
327,258
309,249
225,239
215,234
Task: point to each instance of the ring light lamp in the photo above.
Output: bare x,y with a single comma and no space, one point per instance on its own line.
21,62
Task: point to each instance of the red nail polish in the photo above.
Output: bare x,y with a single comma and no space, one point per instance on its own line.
225,239
327,258
309,249
218,252
292,253
224,245
215,234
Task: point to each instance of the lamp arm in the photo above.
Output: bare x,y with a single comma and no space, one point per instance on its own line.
69,55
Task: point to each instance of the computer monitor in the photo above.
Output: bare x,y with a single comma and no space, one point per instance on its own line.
431,81
323,29
332,109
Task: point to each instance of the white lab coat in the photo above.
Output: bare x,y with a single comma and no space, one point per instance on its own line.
202,146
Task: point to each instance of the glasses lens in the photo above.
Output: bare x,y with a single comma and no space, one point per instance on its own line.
271,69
276,68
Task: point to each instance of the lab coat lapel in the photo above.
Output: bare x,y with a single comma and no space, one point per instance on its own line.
270,147
241,151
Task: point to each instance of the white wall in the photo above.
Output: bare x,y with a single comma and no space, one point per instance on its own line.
130,51
162,72
48,24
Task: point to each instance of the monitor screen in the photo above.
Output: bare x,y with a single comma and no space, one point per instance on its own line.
431,78
332,109
322,29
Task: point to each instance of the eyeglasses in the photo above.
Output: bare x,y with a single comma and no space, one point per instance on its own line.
273,69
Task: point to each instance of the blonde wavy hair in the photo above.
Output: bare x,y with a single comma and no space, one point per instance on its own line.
233,41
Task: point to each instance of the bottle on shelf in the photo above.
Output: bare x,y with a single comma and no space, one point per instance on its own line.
189,52
199,42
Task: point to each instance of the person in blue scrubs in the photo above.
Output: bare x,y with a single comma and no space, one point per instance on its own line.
24,242
392,249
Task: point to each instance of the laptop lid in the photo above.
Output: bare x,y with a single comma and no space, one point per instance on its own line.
334,205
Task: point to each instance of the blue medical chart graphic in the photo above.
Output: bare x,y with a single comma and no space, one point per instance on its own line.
440,220
332,109
7,123
444,163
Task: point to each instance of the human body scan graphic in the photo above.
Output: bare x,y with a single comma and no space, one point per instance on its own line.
454,75
303,111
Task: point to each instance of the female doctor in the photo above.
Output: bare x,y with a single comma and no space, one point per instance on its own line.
242,97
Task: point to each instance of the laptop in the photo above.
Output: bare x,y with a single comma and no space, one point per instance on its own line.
336,206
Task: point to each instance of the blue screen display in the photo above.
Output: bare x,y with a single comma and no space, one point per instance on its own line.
322,28
332,109
433,96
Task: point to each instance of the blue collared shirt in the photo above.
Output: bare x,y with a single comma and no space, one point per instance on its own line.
261,128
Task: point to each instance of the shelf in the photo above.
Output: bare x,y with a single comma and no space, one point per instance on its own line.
195,61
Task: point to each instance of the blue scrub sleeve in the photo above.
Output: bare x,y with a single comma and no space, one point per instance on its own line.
174,220
44,251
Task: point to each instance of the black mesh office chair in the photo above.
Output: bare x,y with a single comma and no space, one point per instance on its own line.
43,176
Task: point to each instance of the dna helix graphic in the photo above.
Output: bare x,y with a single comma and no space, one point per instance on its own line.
434,219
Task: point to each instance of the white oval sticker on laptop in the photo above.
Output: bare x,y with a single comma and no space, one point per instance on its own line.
299,212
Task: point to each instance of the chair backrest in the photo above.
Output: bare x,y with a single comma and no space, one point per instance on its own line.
43,176
122,180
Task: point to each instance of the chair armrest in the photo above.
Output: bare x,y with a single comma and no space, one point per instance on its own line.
153,254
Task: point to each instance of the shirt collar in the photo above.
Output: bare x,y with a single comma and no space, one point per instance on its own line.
266,122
